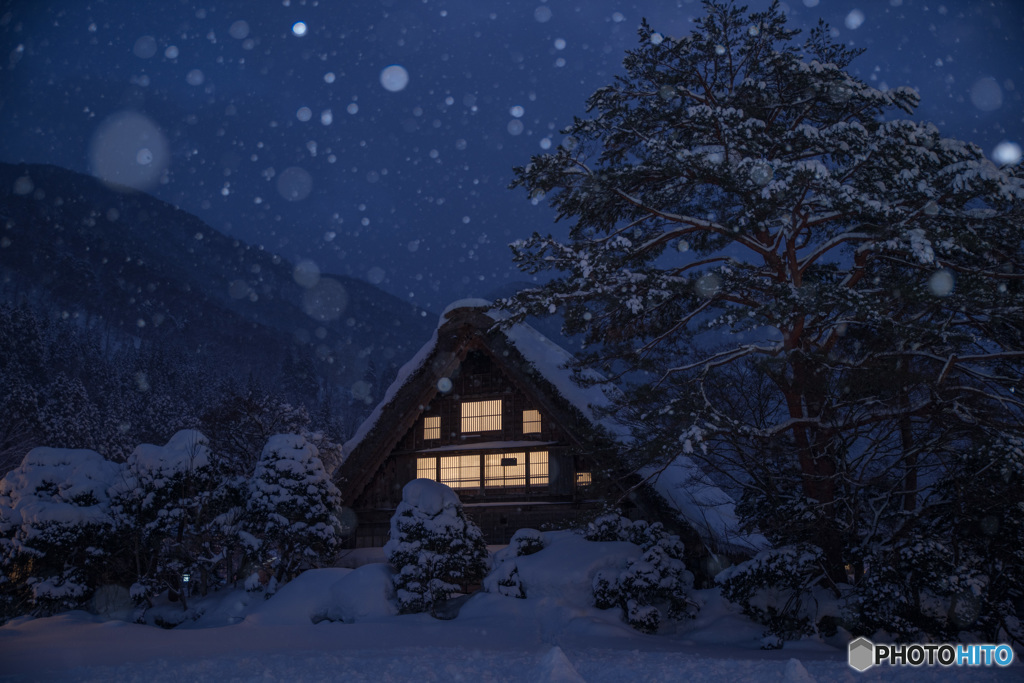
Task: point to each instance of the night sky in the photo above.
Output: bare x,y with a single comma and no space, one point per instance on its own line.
377,138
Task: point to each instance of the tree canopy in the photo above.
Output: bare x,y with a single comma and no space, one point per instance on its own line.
817,298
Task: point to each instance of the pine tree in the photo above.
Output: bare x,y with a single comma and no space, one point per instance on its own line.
70,417
161,504
291,515
746,213
433,547
20,430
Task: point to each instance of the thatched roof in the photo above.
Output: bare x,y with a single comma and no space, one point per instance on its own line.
535,364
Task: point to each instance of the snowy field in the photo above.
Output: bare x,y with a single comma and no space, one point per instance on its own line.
339,624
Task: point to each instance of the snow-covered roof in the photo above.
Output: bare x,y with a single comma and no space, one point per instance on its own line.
553,363
401,379
549,360
709,510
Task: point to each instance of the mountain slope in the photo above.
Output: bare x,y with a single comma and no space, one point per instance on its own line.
143,268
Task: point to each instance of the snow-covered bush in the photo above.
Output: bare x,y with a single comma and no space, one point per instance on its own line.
780,589
650,589
56,535
526,542
433,547
506,570
162,503
958,570
71,521
291,519
909,589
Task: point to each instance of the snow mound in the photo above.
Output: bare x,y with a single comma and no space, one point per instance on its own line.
564,569
430,497
556,668
305,599
366,593
795,672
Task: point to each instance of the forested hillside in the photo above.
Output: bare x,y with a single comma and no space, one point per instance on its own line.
124,319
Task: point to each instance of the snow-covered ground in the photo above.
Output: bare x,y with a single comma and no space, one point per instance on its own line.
339,624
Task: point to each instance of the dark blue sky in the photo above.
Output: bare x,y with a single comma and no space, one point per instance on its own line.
289,139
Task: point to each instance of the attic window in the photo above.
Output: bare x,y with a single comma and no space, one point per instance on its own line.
531,422
481,416
432,427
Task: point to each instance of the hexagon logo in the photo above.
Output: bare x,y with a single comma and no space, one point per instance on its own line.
861,654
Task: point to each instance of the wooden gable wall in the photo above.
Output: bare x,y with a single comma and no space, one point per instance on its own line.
481,363
477,378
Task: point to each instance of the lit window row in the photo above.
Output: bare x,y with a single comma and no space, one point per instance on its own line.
498,470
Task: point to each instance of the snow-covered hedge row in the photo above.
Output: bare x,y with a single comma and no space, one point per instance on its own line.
72,521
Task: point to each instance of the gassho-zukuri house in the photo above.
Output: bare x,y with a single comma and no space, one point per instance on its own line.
493,413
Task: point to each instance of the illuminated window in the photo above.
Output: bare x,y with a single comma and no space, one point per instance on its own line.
426,468
432,428
531,422
584,479
481,416
460,471
538,468
500,470
505,469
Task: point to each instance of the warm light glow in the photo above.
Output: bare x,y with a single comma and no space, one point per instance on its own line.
584,479
505,469
481,416
500,470
432,428
531,422
426,468
538,468
460,471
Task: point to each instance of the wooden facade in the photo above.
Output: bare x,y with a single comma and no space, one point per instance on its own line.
476,415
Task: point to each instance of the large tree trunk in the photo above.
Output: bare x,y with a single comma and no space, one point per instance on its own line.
817,466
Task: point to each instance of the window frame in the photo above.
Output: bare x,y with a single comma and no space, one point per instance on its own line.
431,426
487,473
532,421
483,421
